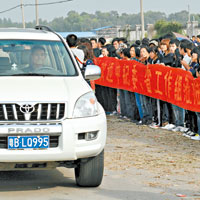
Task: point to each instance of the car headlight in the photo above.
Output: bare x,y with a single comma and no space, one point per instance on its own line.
86,106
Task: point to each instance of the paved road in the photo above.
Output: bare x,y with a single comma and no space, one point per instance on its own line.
60,185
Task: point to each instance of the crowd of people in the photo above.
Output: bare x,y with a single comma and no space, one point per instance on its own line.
138,108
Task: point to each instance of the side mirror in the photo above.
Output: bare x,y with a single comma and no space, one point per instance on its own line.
92,72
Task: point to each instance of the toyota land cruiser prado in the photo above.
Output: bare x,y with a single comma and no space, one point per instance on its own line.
49,115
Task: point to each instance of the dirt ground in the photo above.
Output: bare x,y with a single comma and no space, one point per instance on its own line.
167,158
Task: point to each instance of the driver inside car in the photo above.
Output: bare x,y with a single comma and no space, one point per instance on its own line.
38,56
37,59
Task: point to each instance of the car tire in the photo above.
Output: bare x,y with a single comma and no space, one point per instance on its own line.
90,173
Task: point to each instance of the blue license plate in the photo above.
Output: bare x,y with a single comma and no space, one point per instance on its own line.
28,142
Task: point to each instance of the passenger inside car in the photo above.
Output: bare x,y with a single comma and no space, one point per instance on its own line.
4,64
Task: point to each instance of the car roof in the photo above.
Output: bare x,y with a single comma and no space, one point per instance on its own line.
27,34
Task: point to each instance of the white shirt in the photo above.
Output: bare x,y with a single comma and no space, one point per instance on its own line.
80,54
187,59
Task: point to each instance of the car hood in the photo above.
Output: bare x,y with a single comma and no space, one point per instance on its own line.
42,89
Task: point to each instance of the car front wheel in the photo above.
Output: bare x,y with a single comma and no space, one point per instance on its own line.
90,172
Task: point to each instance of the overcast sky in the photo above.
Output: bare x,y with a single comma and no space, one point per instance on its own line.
49,12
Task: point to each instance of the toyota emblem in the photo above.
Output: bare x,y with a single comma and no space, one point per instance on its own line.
27,108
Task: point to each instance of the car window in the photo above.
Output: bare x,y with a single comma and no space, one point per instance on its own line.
33,57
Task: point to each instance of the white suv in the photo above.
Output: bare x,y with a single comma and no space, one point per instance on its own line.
49,115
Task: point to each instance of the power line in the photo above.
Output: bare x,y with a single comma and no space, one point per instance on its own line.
39,4
50,3
10,9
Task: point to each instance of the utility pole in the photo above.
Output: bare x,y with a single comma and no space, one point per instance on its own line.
22,8
188,13
142,17
36,12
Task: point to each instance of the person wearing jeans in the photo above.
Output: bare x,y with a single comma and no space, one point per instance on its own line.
179,114
197,136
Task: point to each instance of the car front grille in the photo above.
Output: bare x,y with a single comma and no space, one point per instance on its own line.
42,111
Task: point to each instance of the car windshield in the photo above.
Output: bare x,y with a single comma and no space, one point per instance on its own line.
31,57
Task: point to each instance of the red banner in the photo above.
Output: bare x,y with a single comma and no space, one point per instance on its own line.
169,84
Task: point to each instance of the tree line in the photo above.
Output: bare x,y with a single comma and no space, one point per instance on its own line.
75,21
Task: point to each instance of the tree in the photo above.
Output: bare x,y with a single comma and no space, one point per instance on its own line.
163,27
181,17
74,21
151,17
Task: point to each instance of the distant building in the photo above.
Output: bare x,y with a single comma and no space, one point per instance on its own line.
192,28
108,32
136,33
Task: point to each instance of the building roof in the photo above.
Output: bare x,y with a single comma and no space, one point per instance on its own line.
180,36
78,34
99,29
